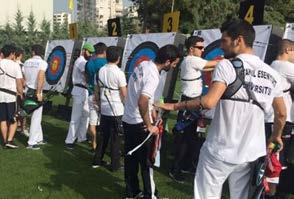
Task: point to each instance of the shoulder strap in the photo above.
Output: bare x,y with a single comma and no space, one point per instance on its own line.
4,73
103,85
239,81
8,91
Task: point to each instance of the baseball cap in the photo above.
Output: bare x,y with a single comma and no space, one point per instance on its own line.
89,47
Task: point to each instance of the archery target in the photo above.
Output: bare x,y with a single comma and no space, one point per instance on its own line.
289,31
58,56
141,47
56,65
211,52
109,41
144,52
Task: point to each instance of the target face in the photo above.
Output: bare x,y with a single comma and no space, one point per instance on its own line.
144,52
56,65
211,52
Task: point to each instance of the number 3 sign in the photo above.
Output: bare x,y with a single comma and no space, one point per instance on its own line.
171,22
114,27
252,11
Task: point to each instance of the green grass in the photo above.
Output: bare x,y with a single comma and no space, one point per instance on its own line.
54,172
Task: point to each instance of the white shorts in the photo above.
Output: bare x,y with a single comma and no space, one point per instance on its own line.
94,114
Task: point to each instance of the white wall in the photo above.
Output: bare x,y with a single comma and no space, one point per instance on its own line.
41,9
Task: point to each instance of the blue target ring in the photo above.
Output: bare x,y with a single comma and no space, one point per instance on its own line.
211,52
56,65
144,52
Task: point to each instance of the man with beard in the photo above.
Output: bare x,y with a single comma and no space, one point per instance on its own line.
80,109
242,89
137,120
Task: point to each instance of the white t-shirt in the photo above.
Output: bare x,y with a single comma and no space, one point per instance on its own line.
31,70
78,76
10,68
236,134
144,80
286,70
112,77
191,82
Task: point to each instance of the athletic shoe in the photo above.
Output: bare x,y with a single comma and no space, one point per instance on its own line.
188,171
11,145
70,146
102,163
177,177
94,166
138,196
33,147
43,142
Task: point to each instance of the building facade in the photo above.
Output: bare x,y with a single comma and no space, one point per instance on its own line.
62,18
42,9
99,11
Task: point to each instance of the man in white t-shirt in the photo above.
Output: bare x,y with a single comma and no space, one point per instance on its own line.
10,85
137,120
236,136
185,141
112,86
80,107
34,72
284,65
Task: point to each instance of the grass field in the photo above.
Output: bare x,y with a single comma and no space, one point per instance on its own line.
57,173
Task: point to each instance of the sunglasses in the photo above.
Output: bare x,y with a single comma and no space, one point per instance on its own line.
199,47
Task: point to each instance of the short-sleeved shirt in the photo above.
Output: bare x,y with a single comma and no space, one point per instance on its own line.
31,70
13,71
113,78
144,80
191,82
236,134
92,67
286,70
78,76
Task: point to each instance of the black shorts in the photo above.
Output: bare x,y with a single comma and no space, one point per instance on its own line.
7,112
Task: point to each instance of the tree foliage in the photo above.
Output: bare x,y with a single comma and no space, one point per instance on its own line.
203,14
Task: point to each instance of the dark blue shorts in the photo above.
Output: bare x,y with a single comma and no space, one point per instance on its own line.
7,112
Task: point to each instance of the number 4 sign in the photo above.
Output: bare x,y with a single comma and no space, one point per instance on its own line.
114,28
171,22
252,11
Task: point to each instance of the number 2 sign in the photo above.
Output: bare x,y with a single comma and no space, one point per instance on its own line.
114,28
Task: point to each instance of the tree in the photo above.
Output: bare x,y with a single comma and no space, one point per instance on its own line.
56,31
278,12
19,33
89,29
18,26
45,31
64,30
31,31
130,25
203,14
